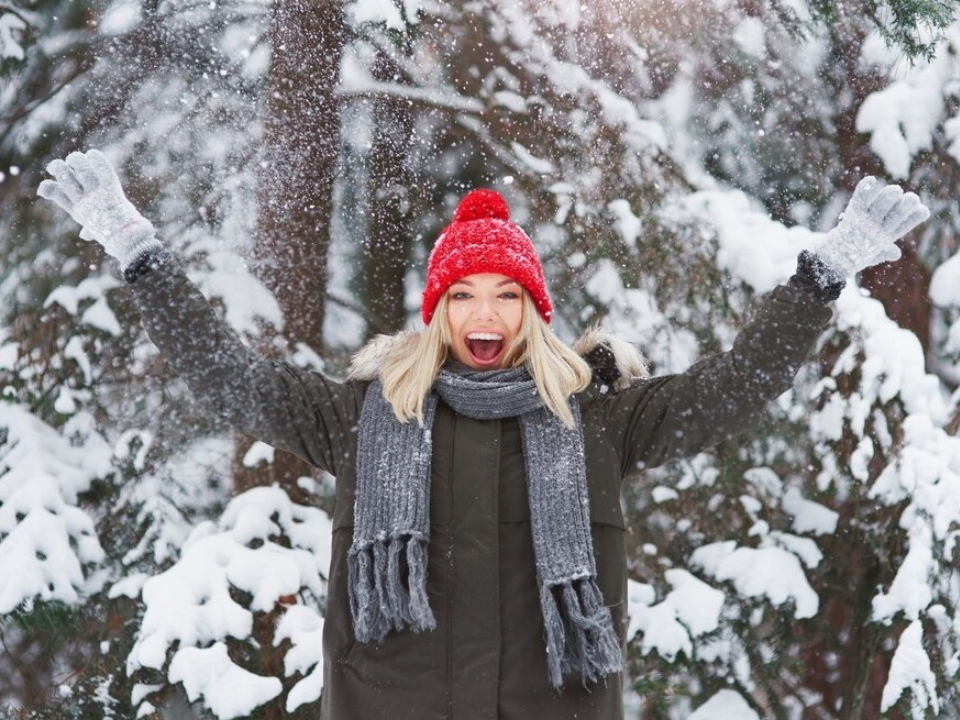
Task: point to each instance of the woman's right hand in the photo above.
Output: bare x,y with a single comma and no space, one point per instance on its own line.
86,186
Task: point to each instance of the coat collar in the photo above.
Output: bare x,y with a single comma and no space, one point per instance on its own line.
614,361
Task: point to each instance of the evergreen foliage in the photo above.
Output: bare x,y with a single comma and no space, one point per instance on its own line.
669,166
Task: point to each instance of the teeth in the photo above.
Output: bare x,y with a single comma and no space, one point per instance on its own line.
484,336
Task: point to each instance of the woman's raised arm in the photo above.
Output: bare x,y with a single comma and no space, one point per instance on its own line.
292,409
722,396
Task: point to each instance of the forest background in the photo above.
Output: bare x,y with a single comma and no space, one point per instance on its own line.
668,158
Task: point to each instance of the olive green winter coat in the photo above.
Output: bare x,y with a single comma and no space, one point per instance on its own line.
486,659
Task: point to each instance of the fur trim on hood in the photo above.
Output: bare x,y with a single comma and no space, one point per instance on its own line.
614,362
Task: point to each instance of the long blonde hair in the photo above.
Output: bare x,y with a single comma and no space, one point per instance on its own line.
558,371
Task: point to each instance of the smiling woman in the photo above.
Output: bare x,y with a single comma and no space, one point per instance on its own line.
486,307
485,313
478,565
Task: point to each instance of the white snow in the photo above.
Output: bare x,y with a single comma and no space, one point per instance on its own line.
65,403
90,288
628,224
894,365
303,627
74,350
750,36
753,247
808,516
945,283
258,453
604,284
190,606
12,28
910,670
130,587
227,689
48,546
769,572
536,164
121,449
121,17
246,300
725,705
394,15
510,100
690,610
901,118
910,592
881,410
661,494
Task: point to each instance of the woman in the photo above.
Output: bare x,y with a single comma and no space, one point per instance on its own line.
479,565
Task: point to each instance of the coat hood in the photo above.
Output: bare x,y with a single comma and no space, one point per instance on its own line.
614,361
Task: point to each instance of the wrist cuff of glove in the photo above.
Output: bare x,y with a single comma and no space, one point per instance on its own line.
149,260
139,242
826,281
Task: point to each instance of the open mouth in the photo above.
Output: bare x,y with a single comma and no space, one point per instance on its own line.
485,347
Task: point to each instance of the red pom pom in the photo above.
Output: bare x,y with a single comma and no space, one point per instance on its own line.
482,205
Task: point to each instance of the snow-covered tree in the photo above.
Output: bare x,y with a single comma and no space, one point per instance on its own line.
669,162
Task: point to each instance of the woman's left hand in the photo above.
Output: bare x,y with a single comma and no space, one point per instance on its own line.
875,218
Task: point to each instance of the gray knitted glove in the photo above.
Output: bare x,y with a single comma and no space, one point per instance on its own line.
876,216
86,186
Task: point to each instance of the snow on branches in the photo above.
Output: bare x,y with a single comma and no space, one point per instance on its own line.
49,547
880,433
265,556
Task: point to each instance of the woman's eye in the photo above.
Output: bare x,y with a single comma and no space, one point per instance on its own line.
460,295
509,295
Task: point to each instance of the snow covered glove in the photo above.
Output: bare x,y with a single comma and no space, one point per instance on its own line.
876,217
86,186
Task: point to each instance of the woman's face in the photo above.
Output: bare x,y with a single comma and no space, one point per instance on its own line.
484,312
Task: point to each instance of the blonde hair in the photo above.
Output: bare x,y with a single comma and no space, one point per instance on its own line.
557,370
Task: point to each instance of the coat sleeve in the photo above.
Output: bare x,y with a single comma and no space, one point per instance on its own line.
672,416
299,411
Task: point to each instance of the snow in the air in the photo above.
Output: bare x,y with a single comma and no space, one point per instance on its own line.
878,419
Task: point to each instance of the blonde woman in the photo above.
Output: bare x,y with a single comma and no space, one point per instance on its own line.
479,564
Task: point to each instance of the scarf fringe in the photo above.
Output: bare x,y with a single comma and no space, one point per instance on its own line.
580,636
380,601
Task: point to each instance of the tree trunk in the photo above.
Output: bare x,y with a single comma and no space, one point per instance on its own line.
904,289
389,188
301,147
302,139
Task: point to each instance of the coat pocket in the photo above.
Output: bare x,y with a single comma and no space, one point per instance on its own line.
609,552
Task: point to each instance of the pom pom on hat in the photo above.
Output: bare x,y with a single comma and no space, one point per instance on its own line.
482,205
481,239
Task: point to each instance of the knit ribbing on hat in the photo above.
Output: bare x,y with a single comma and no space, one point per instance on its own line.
481,239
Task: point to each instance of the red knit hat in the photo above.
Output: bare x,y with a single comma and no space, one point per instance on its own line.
481,239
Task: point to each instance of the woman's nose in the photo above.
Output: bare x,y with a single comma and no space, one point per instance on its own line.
486,308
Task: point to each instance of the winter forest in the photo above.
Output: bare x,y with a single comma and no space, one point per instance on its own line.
669,159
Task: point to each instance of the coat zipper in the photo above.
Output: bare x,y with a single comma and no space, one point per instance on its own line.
449,599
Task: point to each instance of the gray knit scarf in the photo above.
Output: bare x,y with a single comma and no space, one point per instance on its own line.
388,560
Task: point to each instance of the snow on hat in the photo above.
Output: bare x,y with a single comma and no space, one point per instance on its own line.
481,239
